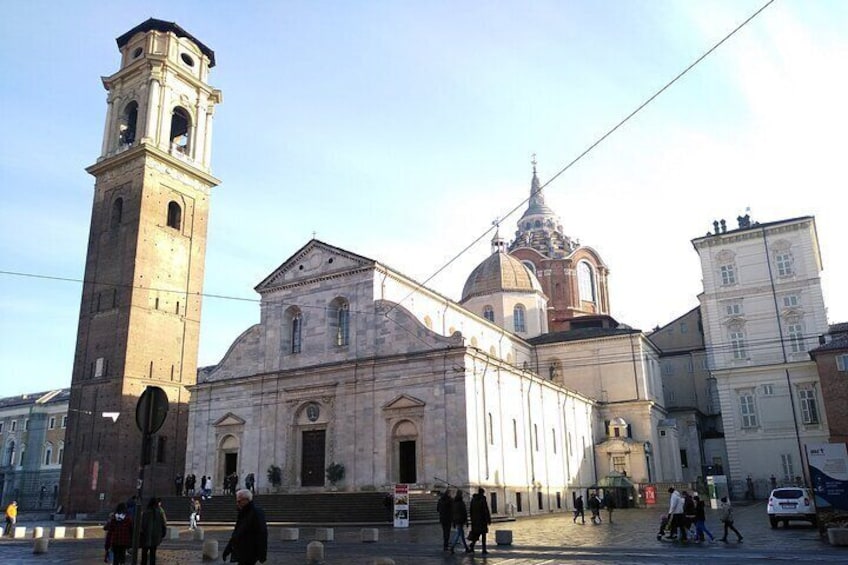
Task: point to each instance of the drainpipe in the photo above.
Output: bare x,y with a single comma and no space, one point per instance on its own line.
785,360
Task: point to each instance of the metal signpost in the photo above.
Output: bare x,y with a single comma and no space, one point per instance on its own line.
150,413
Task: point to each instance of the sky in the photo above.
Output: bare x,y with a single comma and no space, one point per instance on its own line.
401,130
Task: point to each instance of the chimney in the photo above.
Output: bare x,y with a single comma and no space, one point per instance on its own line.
715,227
723,226
744,221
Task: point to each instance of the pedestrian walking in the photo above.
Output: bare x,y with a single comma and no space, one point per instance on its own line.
249,540
153,526
178,484
250,482
203,486
595,508
445,510
480,519
11,518
727,519
459,517
676,515
701,520
578,510
119,530
194,513
609,502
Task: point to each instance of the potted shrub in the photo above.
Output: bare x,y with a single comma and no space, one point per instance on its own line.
335,473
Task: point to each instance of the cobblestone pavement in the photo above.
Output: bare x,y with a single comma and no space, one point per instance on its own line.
552,539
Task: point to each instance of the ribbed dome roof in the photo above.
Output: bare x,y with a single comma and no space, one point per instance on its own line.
499,272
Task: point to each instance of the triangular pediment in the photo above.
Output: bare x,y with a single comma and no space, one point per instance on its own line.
229,419
314,260
404,401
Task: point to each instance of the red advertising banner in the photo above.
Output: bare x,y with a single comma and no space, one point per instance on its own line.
650,494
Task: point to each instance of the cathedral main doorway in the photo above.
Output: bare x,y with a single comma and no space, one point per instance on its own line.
407,464
312,458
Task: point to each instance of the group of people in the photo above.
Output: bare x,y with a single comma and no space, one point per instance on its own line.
119,532
186,487
595,505
686,518
454,516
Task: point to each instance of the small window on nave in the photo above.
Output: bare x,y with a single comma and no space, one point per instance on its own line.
489,313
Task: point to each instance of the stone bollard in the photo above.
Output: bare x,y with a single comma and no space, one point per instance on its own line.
289,534
40,545
79,532
384,561
38,532
324,534
369,535
503,537
173,532
20,532
197,534
837,536
210,550
314,552
59,532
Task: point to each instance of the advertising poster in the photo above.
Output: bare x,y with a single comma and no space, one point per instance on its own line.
650,494
401,506
828,464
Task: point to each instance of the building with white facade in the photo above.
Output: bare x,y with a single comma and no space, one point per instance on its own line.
763,310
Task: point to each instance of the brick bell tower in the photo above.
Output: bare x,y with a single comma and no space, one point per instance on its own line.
139,321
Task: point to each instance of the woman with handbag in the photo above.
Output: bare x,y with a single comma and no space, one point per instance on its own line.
153,527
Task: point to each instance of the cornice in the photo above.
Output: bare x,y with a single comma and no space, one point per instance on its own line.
146,149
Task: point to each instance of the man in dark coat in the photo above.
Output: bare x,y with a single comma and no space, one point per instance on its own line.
578,509
444,507
153,525
249,542
459,517
480,519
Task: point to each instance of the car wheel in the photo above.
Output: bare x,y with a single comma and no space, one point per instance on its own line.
773,521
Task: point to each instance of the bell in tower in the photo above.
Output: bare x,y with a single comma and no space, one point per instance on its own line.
139,321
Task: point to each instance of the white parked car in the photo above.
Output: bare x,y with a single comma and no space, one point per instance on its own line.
791,503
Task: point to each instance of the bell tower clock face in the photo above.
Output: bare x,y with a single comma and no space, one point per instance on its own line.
313,411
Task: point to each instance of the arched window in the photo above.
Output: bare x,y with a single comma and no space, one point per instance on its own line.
48,453
10,453
61,454
175,215
296,332
21,456
586,282
518,318
127,126
340,312
180,129
489,313
117,212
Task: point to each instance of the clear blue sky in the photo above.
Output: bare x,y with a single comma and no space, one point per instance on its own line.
400,130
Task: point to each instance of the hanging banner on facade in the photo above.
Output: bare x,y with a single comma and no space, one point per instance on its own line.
828,465
401,512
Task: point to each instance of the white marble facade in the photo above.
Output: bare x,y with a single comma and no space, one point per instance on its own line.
354,363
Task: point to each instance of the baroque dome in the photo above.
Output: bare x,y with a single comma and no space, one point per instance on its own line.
499,272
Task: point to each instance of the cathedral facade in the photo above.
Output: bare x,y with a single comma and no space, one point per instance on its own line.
354,363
